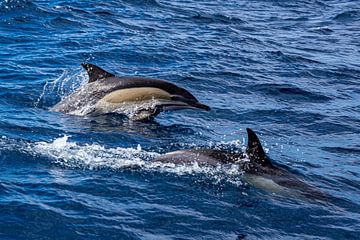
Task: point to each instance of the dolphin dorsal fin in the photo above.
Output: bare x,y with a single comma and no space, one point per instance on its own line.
95,73
255,151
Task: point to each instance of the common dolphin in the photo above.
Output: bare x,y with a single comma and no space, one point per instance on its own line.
138,97
257,167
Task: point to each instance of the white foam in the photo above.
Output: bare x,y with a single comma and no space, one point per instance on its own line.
91,156
138,110
64,152
60,142
94,156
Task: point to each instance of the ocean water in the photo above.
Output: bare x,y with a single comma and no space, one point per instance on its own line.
290,70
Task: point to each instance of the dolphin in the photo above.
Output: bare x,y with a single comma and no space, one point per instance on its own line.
137,97
257,167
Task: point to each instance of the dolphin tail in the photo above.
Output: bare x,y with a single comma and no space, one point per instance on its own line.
95,73
255,151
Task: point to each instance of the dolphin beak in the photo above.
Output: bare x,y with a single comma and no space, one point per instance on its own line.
190,102
201,106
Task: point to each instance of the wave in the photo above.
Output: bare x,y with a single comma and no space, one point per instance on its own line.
347,16
63,23
8,5
342,150
323,30
20,8
217,18
143,3
292,58
289,92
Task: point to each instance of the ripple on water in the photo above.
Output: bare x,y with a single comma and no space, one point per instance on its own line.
347,16
64,23
287,92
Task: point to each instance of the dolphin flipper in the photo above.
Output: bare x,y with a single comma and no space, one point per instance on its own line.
95,73
255,151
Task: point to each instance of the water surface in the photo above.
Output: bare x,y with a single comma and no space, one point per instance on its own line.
289,70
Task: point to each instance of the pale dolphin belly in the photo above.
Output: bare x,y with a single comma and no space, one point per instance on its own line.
136,95
139,103
264,183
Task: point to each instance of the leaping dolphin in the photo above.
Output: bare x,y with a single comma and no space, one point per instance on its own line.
256,165
137,97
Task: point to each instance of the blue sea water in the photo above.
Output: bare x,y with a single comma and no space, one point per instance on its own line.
288,69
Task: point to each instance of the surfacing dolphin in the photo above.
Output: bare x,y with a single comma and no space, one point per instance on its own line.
256,165
137,97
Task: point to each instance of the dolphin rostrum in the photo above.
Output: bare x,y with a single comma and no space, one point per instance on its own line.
137,97
256,165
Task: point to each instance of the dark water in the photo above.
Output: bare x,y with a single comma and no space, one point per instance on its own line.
288,69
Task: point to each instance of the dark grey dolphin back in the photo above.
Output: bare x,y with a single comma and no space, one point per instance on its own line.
96,73
201,156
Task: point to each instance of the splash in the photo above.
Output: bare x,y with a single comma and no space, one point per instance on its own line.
93,156
68,154
64,85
